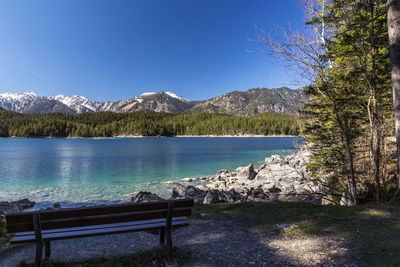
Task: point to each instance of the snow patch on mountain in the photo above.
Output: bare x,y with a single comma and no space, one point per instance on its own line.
140,100
171,94
147,94
78,103
18,96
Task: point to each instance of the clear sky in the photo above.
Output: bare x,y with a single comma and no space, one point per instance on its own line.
111,50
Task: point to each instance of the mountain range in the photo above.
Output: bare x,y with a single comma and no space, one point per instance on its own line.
243,103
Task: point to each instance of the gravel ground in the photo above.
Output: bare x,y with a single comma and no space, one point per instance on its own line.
211,243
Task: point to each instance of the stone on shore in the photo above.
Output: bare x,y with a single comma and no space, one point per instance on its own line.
187,180
143,196
216,196
211,197
178,191
19,205
191,192
246,172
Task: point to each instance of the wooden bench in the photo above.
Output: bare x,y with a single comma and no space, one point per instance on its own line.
43,226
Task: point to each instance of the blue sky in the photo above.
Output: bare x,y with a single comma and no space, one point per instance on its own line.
111,50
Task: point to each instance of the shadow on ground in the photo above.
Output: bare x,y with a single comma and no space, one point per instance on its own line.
252,234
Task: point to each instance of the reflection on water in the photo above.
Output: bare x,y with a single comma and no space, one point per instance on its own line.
95,170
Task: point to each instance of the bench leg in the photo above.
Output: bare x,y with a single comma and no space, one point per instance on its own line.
39,251
169,244
47,249
162,236
168,228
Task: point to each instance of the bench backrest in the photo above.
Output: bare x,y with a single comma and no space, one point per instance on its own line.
87,216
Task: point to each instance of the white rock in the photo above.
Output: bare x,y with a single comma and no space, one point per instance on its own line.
187,180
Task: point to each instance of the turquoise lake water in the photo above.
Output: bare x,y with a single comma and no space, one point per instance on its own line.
94,171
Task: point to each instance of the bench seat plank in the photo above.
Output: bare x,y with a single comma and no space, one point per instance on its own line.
99,219
95,231
24,217
111,225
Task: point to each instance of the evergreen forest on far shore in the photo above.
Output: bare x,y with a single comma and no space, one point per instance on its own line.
142,123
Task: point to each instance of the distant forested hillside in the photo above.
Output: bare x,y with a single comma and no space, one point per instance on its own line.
107,124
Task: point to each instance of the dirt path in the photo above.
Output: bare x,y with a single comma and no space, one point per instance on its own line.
210,242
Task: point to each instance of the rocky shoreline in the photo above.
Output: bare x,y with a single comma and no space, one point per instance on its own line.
279,178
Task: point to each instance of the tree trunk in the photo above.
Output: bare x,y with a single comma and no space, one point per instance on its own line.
375,129
394,42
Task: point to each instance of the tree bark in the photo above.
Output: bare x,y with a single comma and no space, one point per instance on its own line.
394,43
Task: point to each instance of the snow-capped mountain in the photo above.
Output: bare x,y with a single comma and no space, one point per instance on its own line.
30,102
244,103
79,104
151,101
18,102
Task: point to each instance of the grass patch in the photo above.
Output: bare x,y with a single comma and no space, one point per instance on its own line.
372,231
154,257
303,228
4,238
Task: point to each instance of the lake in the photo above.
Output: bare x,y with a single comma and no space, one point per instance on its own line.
96,171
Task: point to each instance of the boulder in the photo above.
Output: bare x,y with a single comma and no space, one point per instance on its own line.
216,196
257,192
194,193
274,159
211,197
287,187
265,175
143,196
262,167
6,207
328,200
23,204
268,186
178,191
14,206
181,191
240,190
202,187
246,172
275,190
222,172
347,199
230,196
187,180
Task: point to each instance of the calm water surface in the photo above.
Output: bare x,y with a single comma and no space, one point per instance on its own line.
78,171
